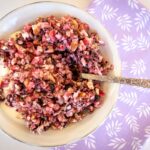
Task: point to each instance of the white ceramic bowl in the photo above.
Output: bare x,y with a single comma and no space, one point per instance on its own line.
9,120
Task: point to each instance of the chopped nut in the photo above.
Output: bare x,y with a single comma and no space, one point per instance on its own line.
74,45
14,35
4,47
90,84
20,48
75,24
70,90
50,49
25,35
83,62
97,91
49,76
83,33
62,118
36,29
82,94
26,82
39,50
78,83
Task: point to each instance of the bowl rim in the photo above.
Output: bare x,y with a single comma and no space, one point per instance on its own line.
90,132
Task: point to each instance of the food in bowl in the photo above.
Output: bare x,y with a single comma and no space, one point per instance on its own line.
45,60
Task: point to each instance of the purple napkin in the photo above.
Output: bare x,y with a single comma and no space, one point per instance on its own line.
128,126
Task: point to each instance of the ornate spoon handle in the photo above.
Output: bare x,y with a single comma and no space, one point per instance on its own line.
130,81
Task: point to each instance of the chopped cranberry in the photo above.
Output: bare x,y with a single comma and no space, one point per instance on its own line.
45,25
101,93
45,60
27,28
37,60
30,86
52,34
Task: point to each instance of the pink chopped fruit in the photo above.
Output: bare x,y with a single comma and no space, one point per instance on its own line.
45,61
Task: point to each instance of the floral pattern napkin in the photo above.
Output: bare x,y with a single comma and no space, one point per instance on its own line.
128,126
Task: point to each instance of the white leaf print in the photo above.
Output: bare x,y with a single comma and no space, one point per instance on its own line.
136,143
143,110
124,65
132,122
124,22
122,86
116,40
128,98
147,131
98,2
117,143
142,18
138,67
148,32
90,142
115,113
70,146
128,43
108,12
91,10
113,128
143,43
141,89
133,3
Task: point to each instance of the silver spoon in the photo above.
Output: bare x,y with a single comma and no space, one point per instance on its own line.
145,83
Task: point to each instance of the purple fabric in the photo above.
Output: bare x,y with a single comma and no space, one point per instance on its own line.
128,126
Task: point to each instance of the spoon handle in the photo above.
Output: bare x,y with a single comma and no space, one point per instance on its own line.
130,81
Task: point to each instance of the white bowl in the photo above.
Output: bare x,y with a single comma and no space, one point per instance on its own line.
9,120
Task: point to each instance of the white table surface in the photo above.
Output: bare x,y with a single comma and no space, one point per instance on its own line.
7,143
